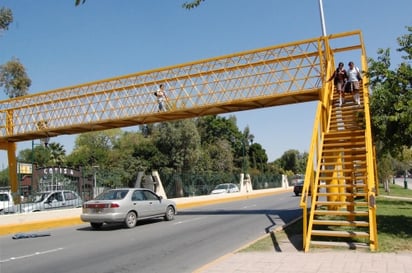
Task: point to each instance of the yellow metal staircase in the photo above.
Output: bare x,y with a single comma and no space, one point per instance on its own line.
342,189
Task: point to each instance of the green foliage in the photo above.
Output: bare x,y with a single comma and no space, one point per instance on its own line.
4,178
217,157
293,162
180,142
78,2
190,5
38,155
13,79
57,154
258,157
391,100
6,18
213,128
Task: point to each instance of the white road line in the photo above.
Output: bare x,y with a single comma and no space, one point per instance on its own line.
251,206
187,221
31,255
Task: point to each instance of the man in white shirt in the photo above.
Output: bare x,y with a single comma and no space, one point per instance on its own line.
354,77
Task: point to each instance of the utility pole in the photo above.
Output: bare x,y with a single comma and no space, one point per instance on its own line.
322,18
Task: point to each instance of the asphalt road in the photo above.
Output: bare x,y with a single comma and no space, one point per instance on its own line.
196,237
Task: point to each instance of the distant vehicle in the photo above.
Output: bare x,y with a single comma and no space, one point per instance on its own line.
298,187
48,200
6,200
225,188
127,205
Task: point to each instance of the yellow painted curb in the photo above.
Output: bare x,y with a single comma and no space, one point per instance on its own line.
39,225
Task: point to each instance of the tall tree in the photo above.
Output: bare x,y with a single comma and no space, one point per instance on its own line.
13,76
193,4
6,18
180,142
14,79
391,100
57,154
258,157
38,155
78,2
212,128
293,161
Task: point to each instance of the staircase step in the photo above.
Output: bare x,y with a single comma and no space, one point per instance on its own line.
342,212
344,165
342,203
341,223
345,133
347,185
334,138
330,178
339,194
350,245
346,170
345,157
340,233
344,144
347,151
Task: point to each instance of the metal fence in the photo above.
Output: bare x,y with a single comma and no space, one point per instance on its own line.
195,184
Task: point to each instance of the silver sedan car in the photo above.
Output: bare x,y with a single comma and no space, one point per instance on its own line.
127,205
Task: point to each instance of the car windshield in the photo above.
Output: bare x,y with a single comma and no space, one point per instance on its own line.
112,195
4,197
221,187
39,197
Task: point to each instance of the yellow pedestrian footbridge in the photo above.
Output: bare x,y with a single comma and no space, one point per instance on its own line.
284,74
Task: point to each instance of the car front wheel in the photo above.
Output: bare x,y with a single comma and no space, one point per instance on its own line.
170,213
131,219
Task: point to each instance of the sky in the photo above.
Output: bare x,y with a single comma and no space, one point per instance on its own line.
62,45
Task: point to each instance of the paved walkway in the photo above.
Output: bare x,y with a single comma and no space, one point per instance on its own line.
342,261
288,259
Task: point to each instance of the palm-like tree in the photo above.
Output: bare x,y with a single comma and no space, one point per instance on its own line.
57,153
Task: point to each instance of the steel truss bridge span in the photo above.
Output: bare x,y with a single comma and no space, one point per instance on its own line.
271,76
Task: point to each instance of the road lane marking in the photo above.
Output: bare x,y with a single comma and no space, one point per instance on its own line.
187,221
251,206
31,255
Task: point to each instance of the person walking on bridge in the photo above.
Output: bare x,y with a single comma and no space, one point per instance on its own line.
161,98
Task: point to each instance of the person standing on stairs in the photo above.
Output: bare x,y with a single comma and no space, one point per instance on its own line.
354,78
339,78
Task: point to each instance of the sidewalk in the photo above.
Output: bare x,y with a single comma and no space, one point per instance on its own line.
338,261
288,259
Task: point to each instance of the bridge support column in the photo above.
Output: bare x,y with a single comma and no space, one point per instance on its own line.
11,154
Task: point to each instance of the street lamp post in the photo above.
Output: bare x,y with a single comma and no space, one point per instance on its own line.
322,18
